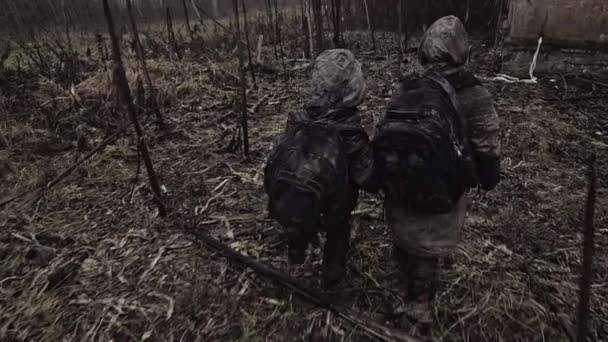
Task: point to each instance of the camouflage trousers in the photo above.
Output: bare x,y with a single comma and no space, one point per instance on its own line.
424,235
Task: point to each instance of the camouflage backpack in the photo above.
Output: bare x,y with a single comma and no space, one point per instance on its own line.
307,167
421,147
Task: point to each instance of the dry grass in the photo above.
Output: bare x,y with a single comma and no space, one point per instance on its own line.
91,260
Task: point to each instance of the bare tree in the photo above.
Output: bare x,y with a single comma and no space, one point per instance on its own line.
142,64
277,29
271,27
246,24
243,88
214,8
198,15
337,16
307,9
187,19
318,18
370,27
125,94
400,36
171,35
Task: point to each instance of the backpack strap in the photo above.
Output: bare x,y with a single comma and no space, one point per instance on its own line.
460,78
447,87
309,185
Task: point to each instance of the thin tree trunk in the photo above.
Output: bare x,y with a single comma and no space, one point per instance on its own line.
400,35
338,22
243,89
214,8
259,51
404,16
310,35
304,28
227,30
329,15
142,64
171,35
187,18
198,15
318,17
369,25
278,35
123,87
245,21
271,27
497,31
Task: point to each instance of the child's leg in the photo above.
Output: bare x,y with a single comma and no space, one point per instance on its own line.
335,252
297,243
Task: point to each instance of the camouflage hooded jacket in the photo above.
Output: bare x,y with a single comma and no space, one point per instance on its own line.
336,89
444,49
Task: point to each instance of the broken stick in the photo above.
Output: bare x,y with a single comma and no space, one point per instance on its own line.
259,104
375,329
70,169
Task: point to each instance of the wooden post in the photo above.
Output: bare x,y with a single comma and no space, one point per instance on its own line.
243,89
123,88
142,64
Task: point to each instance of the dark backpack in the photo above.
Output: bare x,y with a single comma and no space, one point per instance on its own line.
307,167
421,147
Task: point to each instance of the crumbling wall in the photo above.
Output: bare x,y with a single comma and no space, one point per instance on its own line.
564,22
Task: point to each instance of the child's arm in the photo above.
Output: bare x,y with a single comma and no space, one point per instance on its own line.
484,133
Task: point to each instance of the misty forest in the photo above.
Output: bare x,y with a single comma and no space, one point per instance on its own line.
135,144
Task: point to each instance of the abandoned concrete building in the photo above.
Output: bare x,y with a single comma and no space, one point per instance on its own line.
567,28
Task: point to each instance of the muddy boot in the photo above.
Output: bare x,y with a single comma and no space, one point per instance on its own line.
421,287
335,255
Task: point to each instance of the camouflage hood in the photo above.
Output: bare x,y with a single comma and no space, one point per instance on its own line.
446,41
337,82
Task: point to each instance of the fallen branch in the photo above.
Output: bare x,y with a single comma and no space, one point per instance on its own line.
588,247
375,329
235,77
69,170
258,104
593,82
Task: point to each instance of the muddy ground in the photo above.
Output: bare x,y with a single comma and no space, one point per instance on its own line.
90,259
